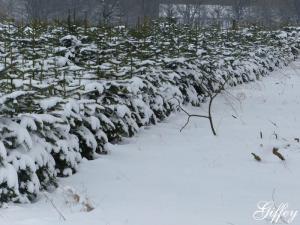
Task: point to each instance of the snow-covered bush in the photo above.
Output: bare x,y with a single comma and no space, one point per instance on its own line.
66,93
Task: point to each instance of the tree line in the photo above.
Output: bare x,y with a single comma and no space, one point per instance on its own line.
265,12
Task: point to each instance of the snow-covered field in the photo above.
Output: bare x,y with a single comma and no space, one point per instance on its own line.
164,177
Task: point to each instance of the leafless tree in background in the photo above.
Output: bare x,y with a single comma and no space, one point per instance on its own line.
109,10
218,15
296,6
239,9
36,9
267,12
190,12
169,10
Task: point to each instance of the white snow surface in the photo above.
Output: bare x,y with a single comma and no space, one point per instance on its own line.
166,177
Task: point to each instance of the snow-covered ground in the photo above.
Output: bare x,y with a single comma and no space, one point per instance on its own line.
164,177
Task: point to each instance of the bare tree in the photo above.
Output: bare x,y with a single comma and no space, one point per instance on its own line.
168,10
189,13
219,15
36,9
108,9
296,6
238,9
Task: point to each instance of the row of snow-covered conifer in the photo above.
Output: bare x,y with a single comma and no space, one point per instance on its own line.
67,91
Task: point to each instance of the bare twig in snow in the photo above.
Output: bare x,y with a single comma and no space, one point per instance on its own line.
212,96
278,154
256,157
55,207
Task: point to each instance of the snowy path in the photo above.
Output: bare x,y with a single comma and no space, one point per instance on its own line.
164,177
